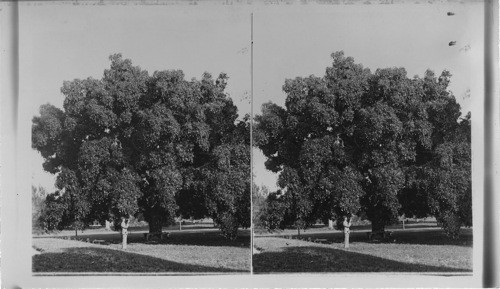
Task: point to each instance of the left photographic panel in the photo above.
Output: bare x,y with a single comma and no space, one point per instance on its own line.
139,137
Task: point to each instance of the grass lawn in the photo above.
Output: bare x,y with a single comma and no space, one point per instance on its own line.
419,249
185,251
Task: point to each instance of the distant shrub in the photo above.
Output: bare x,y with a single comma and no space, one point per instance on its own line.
52,213
37,204
451,224
273,213
228,224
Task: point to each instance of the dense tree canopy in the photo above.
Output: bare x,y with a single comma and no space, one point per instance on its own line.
156,144
355,141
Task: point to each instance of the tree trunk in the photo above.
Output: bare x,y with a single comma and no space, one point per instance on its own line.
155,224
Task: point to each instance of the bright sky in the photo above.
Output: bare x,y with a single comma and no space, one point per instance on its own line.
61,42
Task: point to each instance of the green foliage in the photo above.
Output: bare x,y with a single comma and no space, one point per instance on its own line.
451,193
259,197
133,143
38,196
354,141
222,183
52,213
228,224
273,213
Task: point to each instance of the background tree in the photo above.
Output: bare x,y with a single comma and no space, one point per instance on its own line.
353,141
273,212
38,195
259,196
132,143
52,212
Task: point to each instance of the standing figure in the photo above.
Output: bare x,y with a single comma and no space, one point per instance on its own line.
124,226
347,226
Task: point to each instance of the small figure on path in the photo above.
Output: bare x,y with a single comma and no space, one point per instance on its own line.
347,230
124,226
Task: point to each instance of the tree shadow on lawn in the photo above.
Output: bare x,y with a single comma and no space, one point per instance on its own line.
175,227
408,225
90,259
189,238
212,238
433,237
317,259
419,237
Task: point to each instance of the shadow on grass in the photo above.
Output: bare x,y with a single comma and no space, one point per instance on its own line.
317,259
176,227
212,238
408,226
420,237
190,238
89,259
433,237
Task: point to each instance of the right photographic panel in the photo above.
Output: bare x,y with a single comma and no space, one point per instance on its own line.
365,127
